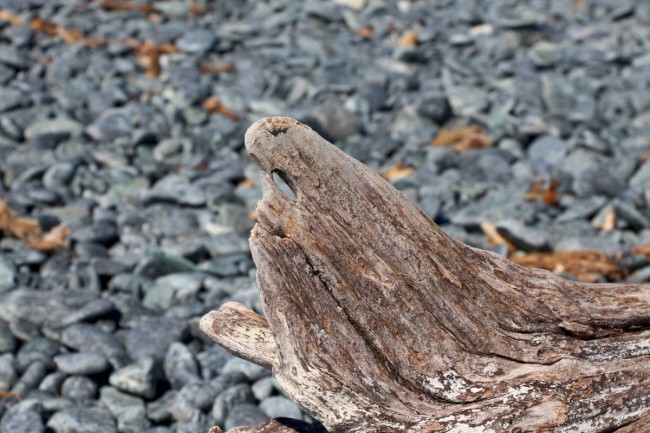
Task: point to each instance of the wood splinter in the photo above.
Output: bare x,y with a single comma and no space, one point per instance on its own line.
380,322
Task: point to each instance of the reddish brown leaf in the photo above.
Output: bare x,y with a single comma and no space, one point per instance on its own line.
214,105
29,230
547,194
149,54
115,5
366,32
398,171
641,250
53,240
408,39
463,139
11,18
226,67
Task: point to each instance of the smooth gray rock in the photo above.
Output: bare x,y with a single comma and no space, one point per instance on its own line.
7,274
82,363
138,378
151,337
228,399
83,420
547,149
30,379
8,342
179,366
278,406
24,417
79,388
196,42
238,365
127,409
243,415
109,126
8,374
40,350
523,237
84,337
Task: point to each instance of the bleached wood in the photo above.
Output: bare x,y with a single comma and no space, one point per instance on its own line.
383,323
241,331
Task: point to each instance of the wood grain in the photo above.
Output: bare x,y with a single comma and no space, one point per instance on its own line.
378,321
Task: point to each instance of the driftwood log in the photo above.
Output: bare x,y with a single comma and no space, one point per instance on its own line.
380,322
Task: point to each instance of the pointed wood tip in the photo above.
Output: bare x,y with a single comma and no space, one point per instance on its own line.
242,332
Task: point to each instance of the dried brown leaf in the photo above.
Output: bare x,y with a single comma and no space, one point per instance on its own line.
115,5
588,265
214,105
398,171
53,240
366,32
547,194
29,230
643,158
641,250
148,54
226,67
11,18
408,39
4,394
463,139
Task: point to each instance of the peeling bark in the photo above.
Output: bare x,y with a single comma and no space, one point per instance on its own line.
378,321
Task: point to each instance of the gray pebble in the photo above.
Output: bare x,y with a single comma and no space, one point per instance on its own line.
151,337
12,57
84,337
179,365
7,274
262,388
138,378
278,406
102,233
79,388
244,415
8,342
30,379
212,360
51,383
228,399
40,350
8,374
24,417
523,237
109,126
196,42
83,363
92,310
252,371
83,420
547,149
160,410
129,410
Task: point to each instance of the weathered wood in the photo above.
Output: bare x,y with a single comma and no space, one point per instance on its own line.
378,321
276,425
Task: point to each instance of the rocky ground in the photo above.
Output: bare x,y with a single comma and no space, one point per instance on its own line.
124,122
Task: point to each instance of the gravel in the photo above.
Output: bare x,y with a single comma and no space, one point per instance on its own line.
102,336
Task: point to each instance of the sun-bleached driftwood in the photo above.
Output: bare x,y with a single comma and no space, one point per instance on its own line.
380,322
